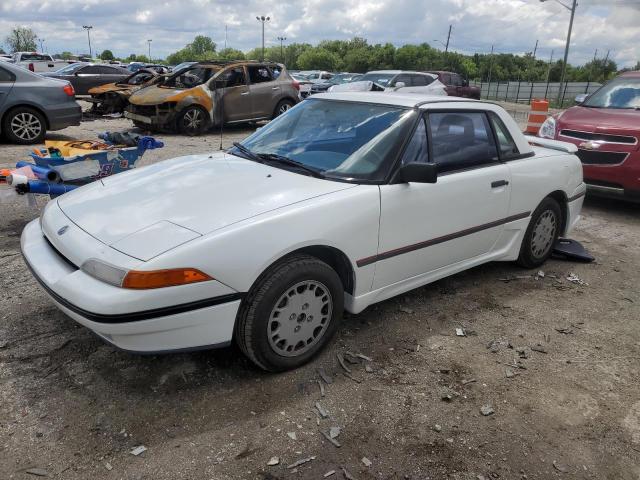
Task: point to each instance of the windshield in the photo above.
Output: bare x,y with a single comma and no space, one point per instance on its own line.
34,57
622,92
345,140
191,77
379,78
69,68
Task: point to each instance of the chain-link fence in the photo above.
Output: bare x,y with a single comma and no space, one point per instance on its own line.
524,92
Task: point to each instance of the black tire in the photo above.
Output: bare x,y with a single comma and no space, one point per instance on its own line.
282,107
541,236
24,126
257,313
192,121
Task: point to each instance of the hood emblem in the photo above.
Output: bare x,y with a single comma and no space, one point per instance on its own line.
591,145
63,229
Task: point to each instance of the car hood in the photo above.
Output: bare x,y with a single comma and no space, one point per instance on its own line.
109,87
601,120
201,193
154,95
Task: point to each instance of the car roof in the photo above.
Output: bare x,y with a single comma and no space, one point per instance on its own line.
400,99
634,74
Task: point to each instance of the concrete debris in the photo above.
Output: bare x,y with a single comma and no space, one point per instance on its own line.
323,375
351,358
368,368
487,410
108,466
564,330
329,473
471,380
446,397
332,441
138,450
346,474
538,348
366,461
273,461
334,432
509,373
342,364
573,278
540,274
323,413
437,428
522,352
364,357
460,332
302,461
348,375
406,310
292,435
321,385
559,467
38,472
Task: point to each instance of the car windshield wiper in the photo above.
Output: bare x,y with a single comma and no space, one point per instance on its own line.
248,153
273,157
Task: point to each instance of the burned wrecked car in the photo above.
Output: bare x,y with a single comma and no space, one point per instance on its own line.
189,100
114,97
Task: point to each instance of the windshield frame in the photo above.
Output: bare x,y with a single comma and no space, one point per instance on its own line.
607,85
390,163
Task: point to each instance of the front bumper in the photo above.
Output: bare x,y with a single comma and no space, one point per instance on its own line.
184,325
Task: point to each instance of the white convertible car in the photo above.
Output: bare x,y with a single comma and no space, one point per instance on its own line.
346,200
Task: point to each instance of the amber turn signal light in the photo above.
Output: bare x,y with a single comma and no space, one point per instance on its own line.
163,278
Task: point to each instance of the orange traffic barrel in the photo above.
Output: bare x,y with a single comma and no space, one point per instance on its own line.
537,115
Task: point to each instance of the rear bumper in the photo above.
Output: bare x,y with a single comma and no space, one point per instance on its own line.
195,324
63,115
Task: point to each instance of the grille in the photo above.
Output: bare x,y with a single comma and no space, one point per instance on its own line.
146,110
599,137
588,157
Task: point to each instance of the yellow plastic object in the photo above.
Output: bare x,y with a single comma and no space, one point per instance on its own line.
77,147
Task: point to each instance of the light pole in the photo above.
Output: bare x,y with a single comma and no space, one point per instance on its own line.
88,28
262,19
572,9
282,39
41,40
149,44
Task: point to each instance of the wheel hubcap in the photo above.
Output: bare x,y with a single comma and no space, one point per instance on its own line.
26,126
193,119
299,318
544,231
283,108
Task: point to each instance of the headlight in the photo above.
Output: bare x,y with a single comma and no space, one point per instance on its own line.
103,271
548,128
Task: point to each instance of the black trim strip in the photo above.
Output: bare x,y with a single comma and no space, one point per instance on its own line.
140,315
162,352
576,197
434,241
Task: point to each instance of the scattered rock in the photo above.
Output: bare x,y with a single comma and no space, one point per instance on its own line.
573,278
470,380
138,450
323,375
321,385
108,466
487,410
334,432
538,348
302,461
559,467
346,474
38,472
446,397
329,473
540,274
364,357
522,352
564,330
437,428
331,440
406,310
368,368
323,413
509,373
292,435
273,461
366,461
342,364
460,332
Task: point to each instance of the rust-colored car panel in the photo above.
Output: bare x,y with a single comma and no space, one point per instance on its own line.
189,100
114,97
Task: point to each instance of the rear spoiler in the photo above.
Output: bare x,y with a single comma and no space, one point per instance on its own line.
552,144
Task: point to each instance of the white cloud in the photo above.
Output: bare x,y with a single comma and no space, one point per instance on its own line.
510,25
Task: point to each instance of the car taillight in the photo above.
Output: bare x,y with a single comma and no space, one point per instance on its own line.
68,89
296,85
32,67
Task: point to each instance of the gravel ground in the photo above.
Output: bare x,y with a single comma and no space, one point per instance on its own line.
568,407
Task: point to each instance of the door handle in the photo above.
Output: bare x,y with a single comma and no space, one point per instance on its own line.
275,88
499,183
245,93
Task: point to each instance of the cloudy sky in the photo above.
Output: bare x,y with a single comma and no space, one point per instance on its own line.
510,25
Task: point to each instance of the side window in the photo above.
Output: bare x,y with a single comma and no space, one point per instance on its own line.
507,145
406,79
90,69
421,80
461,140
259,74
234,77
446,79
6,76
456,81
416,151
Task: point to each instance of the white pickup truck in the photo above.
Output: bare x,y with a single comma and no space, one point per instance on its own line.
38,62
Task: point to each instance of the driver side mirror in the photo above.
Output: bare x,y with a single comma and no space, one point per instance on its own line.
581,98
400,85
418,173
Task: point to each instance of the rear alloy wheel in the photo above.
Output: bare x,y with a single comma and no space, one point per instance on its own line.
541,235
282,107
192,121
290,314
24,126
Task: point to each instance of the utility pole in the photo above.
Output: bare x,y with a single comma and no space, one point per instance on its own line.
282,39
549,69
490,65
149,44
225,36
535,49
446,48
262,19
88,29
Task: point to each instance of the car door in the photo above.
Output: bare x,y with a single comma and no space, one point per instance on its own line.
6,84
426,227
264,91
108,74
85,78
235,93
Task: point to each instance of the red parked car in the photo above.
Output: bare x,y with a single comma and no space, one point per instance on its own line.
457,86
606,127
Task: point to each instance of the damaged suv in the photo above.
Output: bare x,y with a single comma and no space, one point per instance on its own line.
189,100
114,97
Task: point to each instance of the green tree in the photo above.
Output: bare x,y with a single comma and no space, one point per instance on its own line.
202,45
107,55
21,39
318,59
230,54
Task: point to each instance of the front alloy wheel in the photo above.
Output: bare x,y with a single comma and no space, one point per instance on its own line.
192,121
24,126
